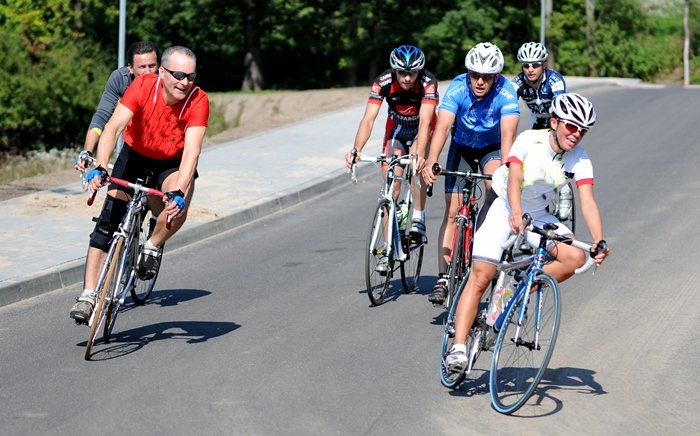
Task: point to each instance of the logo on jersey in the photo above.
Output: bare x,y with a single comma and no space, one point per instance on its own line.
507,94
558,86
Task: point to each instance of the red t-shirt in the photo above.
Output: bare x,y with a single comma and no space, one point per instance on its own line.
158,130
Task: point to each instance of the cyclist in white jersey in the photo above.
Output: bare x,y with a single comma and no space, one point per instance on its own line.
536,165
538,86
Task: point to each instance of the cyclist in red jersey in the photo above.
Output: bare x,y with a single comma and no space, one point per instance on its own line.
411,92
163,118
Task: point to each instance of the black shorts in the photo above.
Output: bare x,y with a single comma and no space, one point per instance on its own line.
131,165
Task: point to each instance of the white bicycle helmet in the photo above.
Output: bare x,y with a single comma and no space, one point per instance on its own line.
574,108
532,52
484,58
407,58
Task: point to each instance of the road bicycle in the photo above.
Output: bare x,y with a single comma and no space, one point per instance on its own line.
390,245
523,334
462,240
118,276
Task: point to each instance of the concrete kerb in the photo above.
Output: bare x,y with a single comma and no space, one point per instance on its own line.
71,272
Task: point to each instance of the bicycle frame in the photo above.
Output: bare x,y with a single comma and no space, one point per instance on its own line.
532,266
466,214
459,259
134,208
395,249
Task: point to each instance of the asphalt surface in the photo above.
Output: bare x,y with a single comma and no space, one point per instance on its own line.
44,235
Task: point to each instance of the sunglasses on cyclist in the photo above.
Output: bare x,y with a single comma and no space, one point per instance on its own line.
571,127
179,75
402,73
484,77
532,65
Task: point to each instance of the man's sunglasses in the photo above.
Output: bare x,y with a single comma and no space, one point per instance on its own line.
402,73
179,75
571,127
477,76
532,65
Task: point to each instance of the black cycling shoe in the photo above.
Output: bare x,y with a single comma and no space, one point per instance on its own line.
148,264
439,293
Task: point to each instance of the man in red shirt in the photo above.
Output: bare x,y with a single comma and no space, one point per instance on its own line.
164,119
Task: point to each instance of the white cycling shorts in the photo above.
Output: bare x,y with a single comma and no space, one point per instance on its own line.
495,231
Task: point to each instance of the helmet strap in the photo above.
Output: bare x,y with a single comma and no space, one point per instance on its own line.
556,140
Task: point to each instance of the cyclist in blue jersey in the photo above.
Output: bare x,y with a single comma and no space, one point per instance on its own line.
537,85
480,112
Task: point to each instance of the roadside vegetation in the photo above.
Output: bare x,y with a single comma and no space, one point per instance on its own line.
57,54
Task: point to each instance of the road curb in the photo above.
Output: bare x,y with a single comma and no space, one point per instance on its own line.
71,272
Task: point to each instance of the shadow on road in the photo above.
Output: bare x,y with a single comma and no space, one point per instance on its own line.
545,401
193,332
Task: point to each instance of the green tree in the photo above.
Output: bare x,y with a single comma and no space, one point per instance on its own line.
53,77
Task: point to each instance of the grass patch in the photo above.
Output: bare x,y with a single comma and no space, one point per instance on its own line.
34,163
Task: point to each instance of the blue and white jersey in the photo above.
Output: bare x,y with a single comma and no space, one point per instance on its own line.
539,100
478,122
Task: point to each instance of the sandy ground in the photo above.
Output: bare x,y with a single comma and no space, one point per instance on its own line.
243,115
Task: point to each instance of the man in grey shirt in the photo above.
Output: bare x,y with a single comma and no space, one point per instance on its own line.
142,59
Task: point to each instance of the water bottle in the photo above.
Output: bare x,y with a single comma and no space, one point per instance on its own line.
494,304
566,197
402,214
501,297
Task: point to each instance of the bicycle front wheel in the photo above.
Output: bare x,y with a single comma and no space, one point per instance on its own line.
379,257
141,289
106,294
455,271
410,268
522,352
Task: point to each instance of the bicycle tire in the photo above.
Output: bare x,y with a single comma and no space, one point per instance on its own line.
377,246
100,309
140,289
516,370
410,268
123,282
448,378
455,271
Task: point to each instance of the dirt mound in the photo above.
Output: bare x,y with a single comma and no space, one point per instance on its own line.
239,115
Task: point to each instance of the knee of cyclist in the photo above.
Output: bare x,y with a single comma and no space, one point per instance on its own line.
576,260
112,213
101,237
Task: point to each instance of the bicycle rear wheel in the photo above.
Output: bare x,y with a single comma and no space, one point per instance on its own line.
141,289
379,257
518,366
456,268
106,294
410,268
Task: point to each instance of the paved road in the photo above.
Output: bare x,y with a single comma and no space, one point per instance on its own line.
266,329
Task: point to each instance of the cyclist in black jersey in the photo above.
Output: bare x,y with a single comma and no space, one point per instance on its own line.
536,84
411,92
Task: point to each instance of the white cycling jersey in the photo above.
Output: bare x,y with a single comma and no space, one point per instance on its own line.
543,171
